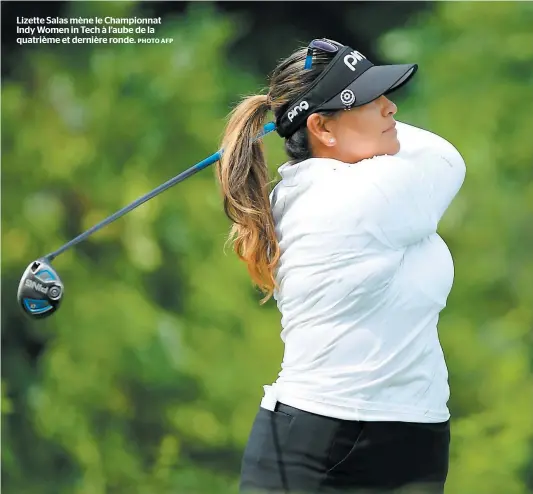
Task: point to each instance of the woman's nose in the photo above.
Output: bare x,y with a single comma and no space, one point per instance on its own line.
388,107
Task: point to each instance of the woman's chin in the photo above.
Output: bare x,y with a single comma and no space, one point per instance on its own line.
393,147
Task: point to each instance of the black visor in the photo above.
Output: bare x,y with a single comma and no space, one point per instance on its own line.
350,80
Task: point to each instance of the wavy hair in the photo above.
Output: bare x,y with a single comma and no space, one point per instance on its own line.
242,171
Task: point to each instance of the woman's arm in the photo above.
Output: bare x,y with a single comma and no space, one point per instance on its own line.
410,192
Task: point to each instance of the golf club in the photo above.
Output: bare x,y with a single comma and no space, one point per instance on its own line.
41,290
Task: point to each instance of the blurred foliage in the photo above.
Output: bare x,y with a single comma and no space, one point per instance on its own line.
147,379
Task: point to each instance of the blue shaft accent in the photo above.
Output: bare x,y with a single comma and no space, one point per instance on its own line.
269,127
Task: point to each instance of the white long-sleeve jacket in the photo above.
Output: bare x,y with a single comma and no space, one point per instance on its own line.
363,276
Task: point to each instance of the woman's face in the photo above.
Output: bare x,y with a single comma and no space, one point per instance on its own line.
357,134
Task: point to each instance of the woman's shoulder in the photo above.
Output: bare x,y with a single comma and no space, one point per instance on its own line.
417,143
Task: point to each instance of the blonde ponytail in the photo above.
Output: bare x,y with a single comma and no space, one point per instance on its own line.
243,175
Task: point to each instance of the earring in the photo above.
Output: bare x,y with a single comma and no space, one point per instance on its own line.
332,140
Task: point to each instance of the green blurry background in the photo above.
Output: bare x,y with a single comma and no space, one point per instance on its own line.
148,378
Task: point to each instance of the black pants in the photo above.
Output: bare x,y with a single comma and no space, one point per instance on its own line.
292,451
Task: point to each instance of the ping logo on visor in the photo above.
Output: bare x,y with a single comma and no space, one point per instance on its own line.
352,58
338,89
304,105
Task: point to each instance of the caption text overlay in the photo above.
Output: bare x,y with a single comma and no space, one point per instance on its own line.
89,30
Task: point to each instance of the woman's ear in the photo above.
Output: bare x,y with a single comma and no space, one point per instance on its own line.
321,129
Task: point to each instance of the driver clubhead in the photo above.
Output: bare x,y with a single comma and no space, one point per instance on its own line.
40,290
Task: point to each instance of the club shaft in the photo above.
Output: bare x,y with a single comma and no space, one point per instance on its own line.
141,200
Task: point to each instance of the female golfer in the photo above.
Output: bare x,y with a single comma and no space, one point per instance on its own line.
347,245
